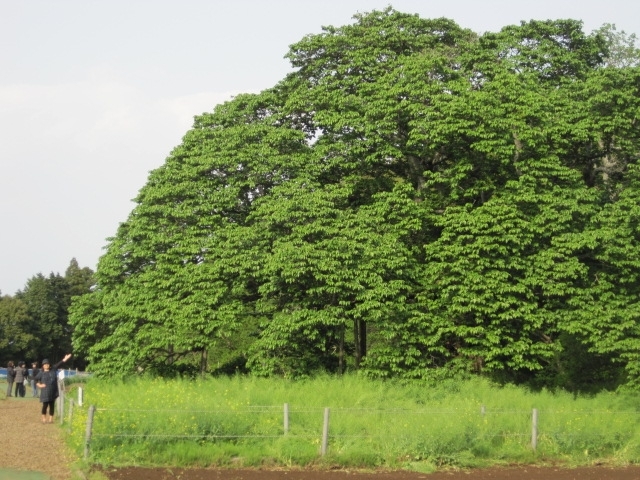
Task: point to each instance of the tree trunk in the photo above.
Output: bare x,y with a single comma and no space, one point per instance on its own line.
363,338
360,340
341,367
356,341
203,361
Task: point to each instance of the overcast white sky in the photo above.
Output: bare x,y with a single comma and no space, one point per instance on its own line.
95,94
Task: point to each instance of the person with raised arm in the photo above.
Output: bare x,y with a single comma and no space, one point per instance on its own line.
47,382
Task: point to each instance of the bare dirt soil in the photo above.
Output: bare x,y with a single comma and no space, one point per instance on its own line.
520,473
28,445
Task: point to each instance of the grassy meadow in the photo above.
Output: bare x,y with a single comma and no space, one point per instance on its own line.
240,422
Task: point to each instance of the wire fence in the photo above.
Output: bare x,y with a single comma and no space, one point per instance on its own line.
423,430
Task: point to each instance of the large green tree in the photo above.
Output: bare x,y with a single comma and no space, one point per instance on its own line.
45,300
412,199
16,338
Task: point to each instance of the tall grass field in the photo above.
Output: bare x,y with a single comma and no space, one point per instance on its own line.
347,422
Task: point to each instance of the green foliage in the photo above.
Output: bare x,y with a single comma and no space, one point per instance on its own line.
15,327
33,323
47,300
610,323
413,201
622,47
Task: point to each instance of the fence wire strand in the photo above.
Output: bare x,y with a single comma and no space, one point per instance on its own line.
521,431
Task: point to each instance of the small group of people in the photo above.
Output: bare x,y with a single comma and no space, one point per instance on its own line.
44,383
20,376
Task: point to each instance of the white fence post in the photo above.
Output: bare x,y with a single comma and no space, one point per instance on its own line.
80,396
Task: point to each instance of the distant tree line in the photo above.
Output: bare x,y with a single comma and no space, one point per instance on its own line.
34,322
414,200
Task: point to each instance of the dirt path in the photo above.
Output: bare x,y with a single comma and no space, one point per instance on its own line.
27,444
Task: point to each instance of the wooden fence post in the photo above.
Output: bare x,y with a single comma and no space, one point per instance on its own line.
534,429
70,413
87,435
286,418
325,433
61,401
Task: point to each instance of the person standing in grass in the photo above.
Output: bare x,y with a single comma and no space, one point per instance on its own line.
21,375
11,374
34,371
47,382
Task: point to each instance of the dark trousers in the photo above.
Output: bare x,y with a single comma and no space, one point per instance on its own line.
49,405
20,390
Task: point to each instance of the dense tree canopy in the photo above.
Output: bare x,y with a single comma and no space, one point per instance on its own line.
34,323
413,200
